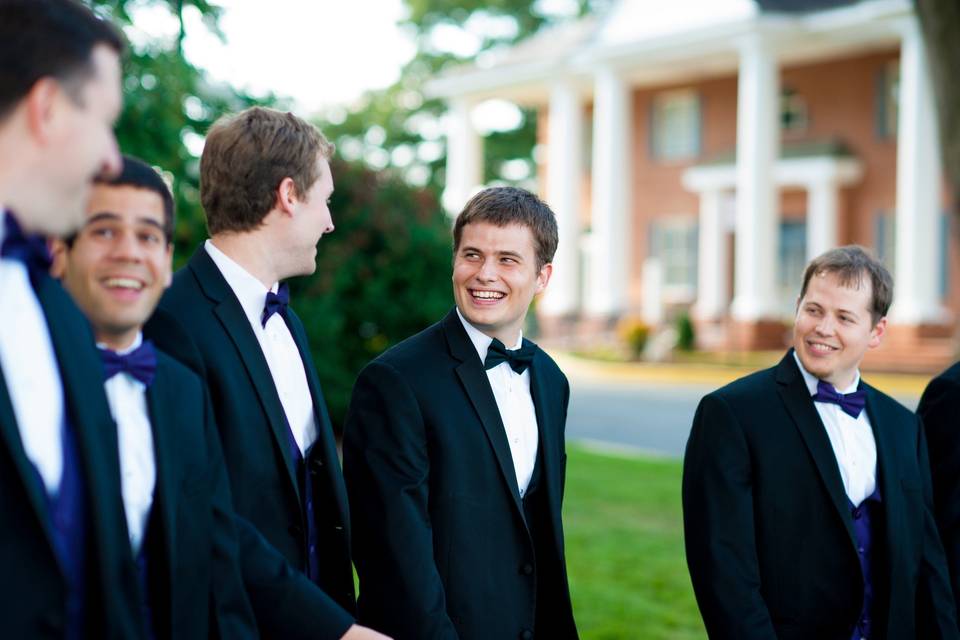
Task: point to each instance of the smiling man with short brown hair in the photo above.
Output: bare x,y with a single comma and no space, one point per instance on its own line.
454,450
806,492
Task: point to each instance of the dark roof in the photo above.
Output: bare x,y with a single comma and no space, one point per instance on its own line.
799,6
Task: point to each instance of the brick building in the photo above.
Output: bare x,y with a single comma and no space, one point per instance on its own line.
699,153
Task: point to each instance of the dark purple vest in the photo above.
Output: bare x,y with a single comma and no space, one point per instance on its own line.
306,495
866,517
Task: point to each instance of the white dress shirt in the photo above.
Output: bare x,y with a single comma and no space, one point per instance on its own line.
30,370
279,349
852,441
127,397
512,393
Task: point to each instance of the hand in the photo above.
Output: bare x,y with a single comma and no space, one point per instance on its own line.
356,632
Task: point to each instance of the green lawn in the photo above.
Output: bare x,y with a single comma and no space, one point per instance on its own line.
624,543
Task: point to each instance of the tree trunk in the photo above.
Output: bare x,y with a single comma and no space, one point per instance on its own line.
940,22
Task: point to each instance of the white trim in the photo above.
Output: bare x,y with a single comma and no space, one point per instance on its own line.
787,172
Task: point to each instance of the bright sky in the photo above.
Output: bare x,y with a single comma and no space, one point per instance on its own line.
321,53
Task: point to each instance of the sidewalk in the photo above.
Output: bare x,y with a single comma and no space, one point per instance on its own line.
579,368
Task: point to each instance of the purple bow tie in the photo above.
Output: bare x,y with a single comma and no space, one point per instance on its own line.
851,403
141,363
519,359
28,248
276,303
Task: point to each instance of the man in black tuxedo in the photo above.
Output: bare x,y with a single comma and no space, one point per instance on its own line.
67,567
806,492
454,450
265,182
174,483
939,409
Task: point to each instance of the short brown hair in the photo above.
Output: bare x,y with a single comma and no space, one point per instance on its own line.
851,264
247,156
502,206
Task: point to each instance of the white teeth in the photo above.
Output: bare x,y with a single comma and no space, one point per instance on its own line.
822,347
124,283
487,295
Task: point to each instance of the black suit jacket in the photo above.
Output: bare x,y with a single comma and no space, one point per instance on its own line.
940,411
441,544
32,595
769,534
193,565
201,323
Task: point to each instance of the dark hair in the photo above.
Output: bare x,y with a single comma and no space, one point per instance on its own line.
137,173
851,264
245,158
48,38
502,206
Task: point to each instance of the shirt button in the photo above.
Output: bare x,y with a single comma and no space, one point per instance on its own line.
526,569
860,550
526,634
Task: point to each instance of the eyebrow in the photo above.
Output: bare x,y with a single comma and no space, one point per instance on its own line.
512,254
114,217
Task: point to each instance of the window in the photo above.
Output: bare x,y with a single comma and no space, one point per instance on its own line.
792,260
793,111
888,100
675,125
674,242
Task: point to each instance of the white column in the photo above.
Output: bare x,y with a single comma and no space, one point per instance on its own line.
712,286
919,177
564,177
758,145
464,157
822,205
606,292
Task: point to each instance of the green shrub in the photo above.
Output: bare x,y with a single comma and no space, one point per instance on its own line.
382,275
686,337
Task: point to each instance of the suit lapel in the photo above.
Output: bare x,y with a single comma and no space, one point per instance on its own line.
888,476
161,402
234,321
331,461
548,423
477,386
10,434
96,432
796,397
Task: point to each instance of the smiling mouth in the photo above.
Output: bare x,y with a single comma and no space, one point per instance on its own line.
821,347
486,296
125,284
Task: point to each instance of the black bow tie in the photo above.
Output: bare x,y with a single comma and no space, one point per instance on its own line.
30,249
519,359
276,303
141,363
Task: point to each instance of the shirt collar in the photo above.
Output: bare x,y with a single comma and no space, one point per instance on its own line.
812,380
481,341
249,291
122,352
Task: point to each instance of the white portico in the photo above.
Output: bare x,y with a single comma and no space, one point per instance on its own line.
616,164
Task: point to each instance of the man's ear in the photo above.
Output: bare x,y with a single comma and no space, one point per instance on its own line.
286,196
41,104
58,253
876,334
543,278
